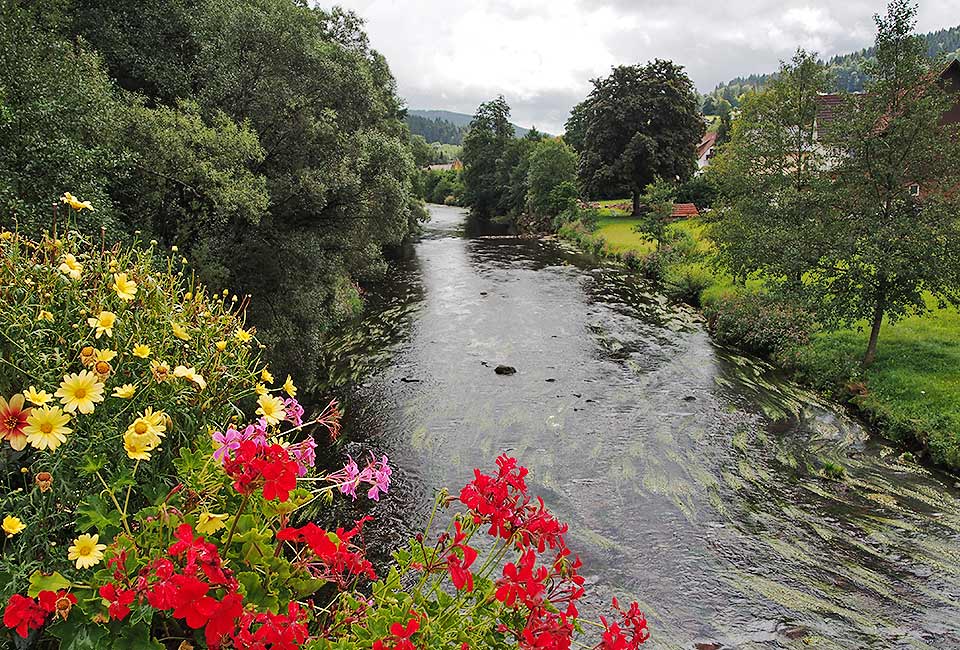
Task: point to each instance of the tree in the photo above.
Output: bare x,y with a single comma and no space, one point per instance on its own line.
895,236
423,153
658,199
771,176
552,174
484,145
723,130
641,122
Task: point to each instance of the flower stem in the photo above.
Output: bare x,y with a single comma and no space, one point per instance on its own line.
123,516
233,526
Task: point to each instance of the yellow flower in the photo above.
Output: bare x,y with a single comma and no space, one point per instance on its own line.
103,323
289,388
37,397
139,446
79,392
45,315
6,235
12,525
208,523
76,203
142,351
86,551
180,331
88,355
160,370
105,355
266,376
271,408
71,267
221,345
260,389
243,335
190,374
125,288
125,391
46,427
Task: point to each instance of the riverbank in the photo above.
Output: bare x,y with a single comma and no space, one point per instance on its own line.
908,395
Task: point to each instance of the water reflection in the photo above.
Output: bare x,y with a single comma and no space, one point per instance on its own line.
690,476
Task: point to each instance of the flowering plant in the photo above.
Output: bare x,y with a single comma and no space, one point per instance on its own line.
118,371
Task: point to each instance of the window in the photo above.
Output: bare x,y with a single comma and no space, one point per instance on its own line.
914,190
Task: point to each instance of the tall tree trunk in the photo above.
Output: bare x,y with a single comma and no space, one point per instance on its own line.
878,310
636,203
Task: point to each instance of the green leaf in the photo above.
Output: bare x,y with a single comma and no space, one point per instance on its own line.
40,582
75,636
97,513
254,591
92,464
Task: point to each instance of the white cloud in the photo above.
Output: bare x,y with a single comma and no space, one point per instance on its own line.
541,54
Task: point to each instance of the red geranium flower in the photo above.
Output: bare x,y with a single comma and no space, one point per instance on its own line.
23,614
119,600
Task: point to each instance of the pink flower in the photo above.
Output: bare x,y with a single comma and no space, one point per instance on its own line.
304,453
229,442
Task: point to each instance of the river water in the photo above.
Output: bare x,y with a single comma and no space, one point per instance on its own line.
691,476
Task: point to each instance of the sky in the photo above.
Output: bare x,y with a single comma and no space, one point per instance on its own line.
541,54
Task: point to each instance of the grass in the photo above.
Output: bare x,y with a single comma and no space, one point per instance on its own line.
913,387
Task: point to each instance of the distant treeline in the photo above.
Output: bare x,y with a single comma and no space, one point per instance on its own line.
846,70
436,129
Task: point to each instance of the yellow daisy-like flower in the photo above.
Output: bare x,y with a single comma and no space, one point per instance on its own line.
105,355
88,355
76,203
86,551
12,525
260,389
266,376
139,446
125,288
71,267
289,388
142,351
103,323
271,408
180,331
242,335
37,397
159,420
160,370
190,374
209,523
80,392
102,370
46,427
221,345
45,315
6,235
125,391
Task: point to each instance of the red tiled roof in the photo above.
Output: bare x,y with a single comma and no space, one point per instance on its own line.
684,211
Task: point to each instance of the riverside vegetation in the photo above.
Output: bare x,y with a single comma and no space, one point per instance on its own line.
816,254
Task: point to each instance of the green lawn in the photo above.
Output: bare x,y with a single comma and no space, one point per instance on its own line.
914,384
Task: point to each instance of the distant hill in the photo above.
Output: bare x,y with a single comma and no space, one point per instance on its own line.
847,69
437,122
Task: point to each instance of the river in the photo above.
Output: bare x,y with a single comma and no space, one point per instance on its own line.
690,475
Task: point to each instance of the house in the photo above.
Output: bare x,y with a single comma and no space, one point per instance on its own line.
706,149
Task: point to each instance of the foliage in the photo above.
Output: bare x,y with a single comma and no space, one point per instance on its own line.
435,130
701,190
486,143
444,186
657,208
760,323
639,123
552,178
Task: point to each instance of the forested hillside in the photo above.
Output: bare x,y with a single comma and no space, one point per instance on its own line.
262,138
435,129
846,70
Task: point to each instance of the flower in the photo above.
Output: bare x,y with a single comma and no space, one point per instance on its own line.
221,345
139,446
23,614
125,391
71,267
242,335
79,392
86,551
141,351
13,420
208,522
76,203
45,315
271,408
260,389
125,288
103,323
104,355
190,374
88,355
117,600
12,525
294,411
44,481
266,376
289,387
102,370
46,427
160,370
180,331
37,397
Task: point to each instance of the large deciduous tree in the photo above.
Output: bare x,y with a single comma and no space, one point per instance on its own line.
641,122
485,144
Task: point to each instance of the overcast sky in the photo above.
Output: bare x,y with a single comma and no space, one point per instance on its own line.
541,54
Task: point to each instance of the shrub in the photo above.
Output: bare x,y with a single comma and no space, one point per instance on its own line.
686,284
759,323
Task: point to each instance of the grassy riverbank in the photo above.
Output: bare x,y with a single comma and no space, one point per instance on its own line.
911,392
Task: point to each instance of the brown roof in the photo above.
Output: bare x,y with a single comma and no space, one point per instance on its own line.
708,141
827,103
684,211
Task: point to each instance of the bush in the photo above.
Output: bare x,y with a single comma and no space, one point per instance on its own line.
686,285
759,323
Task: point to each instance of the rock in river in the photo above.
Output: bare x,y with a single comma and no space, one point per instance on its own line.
505,370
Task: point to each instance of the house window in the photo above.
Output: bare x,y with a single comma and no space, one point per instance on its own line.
914,190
